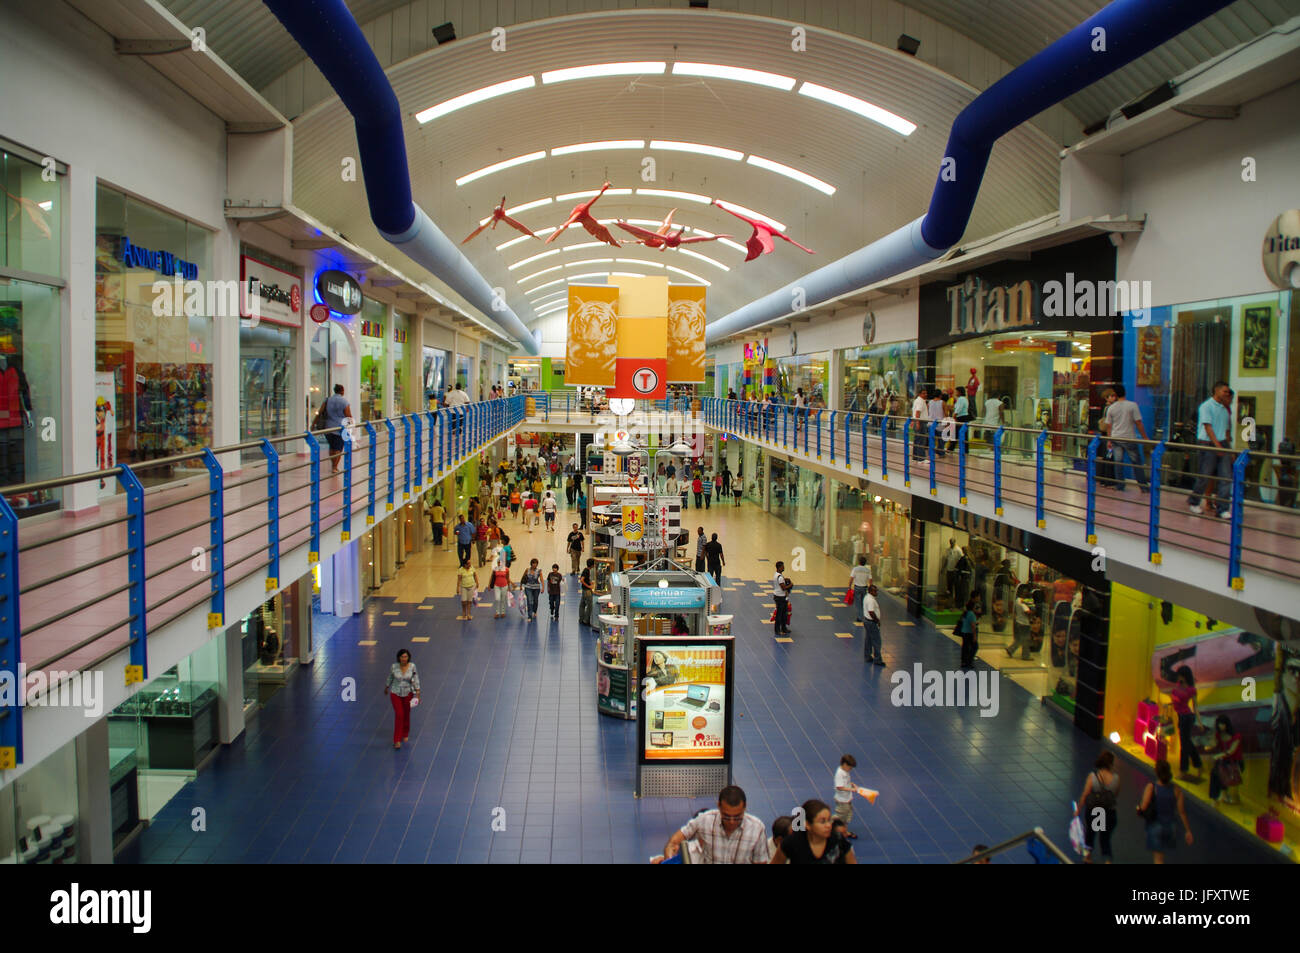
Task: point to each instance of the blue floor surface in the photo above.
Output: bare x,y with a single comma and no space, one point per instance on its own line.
508,729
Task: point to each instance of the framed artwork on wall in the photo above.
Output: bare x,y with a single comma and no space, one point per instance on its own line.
1258,341
1150,342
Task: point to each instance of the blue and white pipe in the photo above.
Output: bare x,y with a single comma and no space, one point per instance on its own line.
330,37
1111,39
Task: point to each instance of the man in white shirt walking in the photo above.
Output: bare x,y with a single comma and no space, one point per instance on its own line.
871,627
859,579
950,559
781,596
920,421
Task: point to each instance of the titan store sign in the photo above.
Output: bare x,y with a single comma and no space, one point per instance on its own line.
1070,287
977,310
163,262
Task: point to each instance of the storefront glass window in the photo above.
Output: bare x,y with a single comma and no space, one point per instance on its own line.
1178,353
435,373
31,223
752,472
401,327
867,525
374,318
1163,642
1030,628
163,732
31,400
798,497
328,347
872,375
38,814
1040,380
811,372
265,380
153,377
463,367
526,375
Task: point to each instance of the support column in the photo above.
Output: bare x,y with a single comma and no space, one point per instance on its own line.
835,381
389,348
230,676
828,511
94,802
78,341
916,568
226,385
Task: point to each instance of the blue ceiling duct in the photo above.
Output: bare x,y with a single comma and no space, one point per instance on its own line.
330,37
1118,34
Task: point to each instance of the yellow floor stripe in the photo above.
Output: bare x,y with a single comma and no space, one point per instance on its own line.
368,642
398,623
843,635
420,638
392,613
824,617
783,639
430,608
907,623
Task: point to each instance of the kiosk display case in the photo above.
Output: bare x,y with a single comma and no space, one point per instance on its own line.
615,671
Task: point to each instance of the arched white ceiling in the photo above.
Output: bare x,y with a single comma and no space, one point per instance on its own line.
883,178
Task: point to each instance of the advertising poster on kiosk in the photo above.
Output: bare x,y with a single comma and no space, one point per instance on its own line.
686,700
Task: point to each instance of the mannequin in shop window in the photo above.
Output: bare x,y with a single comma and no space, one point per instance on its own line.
15,420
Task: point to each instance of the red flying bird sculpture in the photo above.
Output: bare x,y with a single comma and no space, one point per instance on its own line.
664,237
582,213
760,243
499,215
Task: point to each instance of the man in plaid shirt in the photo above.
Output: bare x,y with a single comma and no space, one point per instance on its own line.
726,834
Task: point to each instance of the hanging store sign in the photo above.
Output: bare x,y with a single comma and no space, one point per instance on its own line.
339,290
280,292
1069,288
1282,250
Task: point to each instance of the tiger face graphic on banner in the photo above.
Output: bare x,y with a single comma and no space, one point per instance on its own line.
686,334
592,344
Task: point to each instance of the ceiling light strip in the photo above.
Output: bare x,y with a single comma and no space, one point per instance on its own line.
499,166
522,262
669,194
598,146
598,70
790,173
737,73
473,97
696,147
860,106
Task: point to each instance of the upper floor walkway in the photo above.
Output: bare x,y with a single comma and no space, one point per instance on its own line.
140,582
1060,485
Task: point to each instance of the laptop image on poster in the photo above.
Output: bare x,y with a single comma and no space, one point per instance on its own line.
696,696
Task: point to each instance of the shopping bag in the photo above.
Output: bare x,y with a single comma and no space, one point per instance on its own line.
848,597
475,599
1076,832
415,701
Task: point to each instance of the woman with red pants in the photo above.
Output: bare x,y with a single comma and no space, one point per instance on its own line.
403,689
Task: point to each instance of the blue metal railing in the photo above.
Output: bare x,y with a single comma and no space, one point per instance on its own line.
150,564
1251,503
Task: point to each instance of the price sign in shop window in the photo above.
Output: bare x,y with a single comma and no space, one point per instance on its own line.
685,701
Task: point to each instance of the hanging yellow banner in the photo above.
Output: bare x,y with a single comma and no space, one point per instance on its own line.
591,346
686,334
